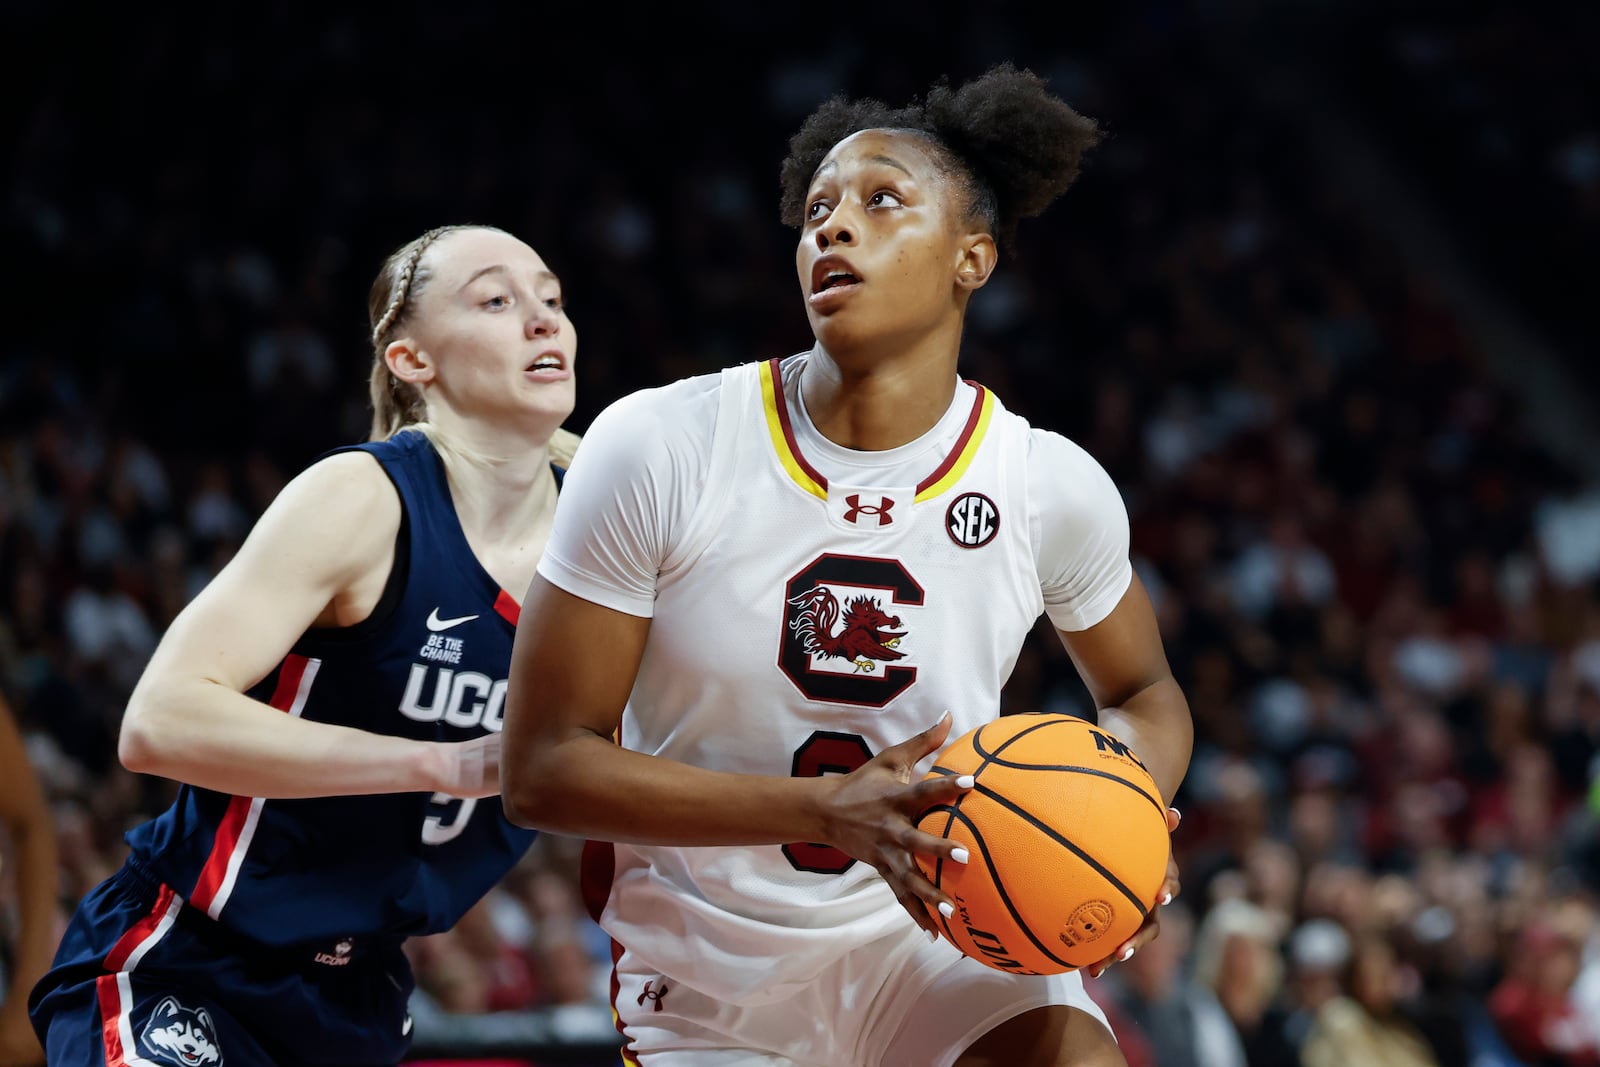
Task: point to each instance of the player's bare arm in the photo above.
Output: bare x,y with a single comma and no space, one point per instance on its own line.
1124,666
319,554
572,668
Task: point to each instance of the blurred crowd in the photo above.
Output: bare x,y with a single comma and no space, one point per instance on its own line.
1379,589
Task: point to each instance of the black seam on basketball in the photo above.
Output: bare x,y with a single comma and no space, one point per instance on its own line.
988,757
1000,887
1067,767
1069,846
938,864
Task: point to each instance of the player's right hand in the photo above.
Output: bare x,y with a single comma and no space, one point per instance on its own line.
467,768
871,814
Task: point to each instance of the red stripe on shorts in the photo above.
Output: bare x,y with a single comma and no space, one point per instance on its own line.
232,824
105,988
117,958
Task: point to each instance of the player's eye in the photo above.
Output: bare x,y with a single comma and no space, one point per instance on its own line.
884,198
817,209
497,302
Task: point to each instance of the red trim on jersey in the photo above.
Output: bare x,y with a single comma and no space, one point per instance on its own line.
629,1057
105,988
506,606
117,958
232,825
961,442
597,869
782,406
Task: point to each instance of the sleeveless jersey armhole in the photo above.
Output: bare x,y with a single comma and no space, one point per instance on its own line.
394,587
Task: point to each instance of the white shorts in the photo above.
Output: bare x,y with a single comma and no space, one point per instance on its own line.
896,1001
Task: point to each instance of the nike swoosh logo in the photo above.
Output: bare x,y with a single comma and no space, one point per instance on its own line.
436,624
406,1027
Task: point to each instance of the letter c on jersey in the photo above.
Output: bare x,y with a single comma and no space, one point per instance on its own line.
812,623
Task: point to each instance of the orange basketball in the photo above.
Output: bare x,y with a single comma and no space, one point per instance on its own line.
1068,844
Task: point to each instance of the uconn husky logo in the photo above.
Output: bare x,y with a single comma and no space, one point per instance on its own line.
182,1036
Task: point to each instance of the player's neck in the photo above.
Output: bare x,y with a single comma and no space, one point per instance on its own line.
879,405
502,493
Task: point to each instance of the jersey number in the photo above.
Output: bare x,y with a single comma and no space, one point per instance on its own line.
439,826
825,752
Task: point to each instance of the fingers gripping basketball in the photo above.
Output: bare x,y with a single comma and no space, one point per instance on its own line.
1067,835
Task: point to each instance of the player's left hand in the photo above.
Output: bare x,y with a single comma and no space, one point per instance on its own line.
1151,929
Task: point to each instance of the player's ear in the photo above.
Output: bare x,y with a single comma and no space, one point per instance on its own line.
409,361
975,260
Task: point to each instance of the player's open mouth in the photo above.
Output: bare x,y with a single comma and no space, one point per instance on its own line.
831,272
547,361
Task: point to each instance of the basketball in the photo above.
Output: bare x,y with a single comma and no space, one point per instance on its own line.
1067,838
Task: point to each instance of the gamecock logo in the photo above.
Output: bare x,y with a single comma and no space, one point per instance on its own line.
864,640
838,645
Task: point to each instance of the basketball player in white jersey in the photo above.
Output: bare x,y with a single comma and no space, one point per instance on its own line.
773,593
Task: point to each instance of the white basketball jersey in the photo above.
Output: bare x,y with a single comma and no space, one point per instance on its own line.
800,627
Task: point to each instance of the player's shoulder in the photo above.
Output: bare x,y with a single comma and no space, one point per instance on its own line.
1054,459
342,490
660,433
349,476
675,404
340,510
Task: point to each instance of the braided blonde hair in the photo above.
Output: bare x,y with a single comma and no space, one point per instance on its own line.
397,404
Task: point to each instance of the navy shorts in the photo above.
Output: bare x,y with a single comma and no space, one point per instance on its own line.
143,980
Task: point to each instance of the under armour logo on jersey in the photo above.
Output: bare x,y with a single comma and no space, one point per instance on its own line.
881,510
972,520
653,995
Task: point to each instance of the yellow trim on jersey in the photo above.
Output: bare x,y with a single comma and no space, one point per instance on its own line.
968,451
770,398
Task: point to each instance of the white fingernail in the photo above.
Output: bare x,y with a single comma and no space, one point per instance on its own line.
946,910
959,855
1128,955
1165,900
966,781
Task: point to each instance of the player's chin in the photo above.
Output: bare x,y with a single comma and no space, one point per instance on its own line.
549,402
841,338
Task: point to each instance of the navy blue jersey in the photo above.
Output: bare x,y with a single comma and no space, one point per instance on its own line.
430,663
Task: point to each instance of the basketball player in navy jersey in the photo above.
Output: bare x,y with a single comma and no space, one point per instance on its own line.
332,704
763,582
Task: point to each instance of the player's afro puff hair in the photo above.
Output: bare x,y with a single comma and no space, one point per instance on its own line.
1019,144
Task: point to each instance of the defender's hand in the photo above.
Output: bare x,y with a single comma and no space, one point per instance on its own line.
467,768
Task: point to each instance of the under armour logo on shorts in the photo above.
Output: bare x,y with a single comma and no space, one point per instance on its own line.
652,994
